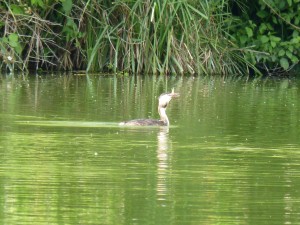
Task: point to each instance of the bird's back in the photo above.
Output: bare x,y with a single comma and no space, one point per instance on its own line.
143,122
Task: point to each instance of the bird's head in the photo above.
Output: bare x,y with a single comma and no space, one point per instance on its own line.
165,98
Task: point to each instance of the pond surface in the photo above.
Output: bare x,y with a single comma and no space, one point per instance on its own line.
230,156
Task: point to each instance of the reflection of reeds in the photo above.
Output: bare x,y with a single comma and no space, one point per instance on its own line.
160,37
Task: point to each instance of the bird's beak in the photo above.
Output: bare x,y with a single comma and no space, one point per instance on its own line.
173,94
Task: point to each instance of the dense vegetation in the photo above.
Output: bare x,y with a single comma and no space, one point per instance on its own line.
271,29
150,36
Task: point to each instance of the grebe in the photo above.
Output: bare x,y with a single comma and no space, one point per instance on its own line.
163,102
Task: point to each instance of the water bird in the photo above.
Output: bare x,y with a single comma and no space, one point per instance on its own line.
163,102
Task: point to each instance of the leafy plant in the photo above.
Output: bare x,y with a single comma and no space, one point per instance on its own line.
271,29
157,37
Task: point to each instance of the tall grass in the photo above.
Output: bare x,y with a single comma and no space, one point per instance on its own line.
142,36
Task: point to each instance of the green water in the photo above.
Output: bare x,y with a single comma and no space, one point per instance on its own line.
231,155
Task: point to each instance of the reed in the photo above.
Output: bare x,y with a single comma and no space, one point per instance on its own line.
152,37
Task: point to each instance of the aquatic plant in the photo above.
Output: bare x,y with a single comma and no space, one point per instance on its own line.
157,37
165,37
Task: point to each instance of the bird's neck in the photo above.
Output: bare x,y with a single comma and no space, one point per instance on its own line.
163,115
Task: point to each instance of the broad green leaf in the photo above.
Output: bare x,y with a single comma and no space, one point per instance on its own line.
4,40
295,40
67,5
284,63
274,58
71,23
291,48
270,27
273,44
249,31
281,52
274,38
16,9
13,40
262,14
262,28
264,39
281,5
18,48
38,2
289,54
243,39
294,59
295,33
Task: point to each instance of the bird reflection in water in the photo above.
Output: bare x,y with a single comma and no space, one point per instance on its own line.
162,165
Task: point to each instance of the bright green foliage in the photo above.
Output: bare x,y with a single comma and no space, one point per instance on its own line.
67,6
164,37
150,36
271,29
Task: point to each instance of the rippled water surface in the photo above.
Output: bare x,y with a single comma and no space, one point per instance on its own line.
230,156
